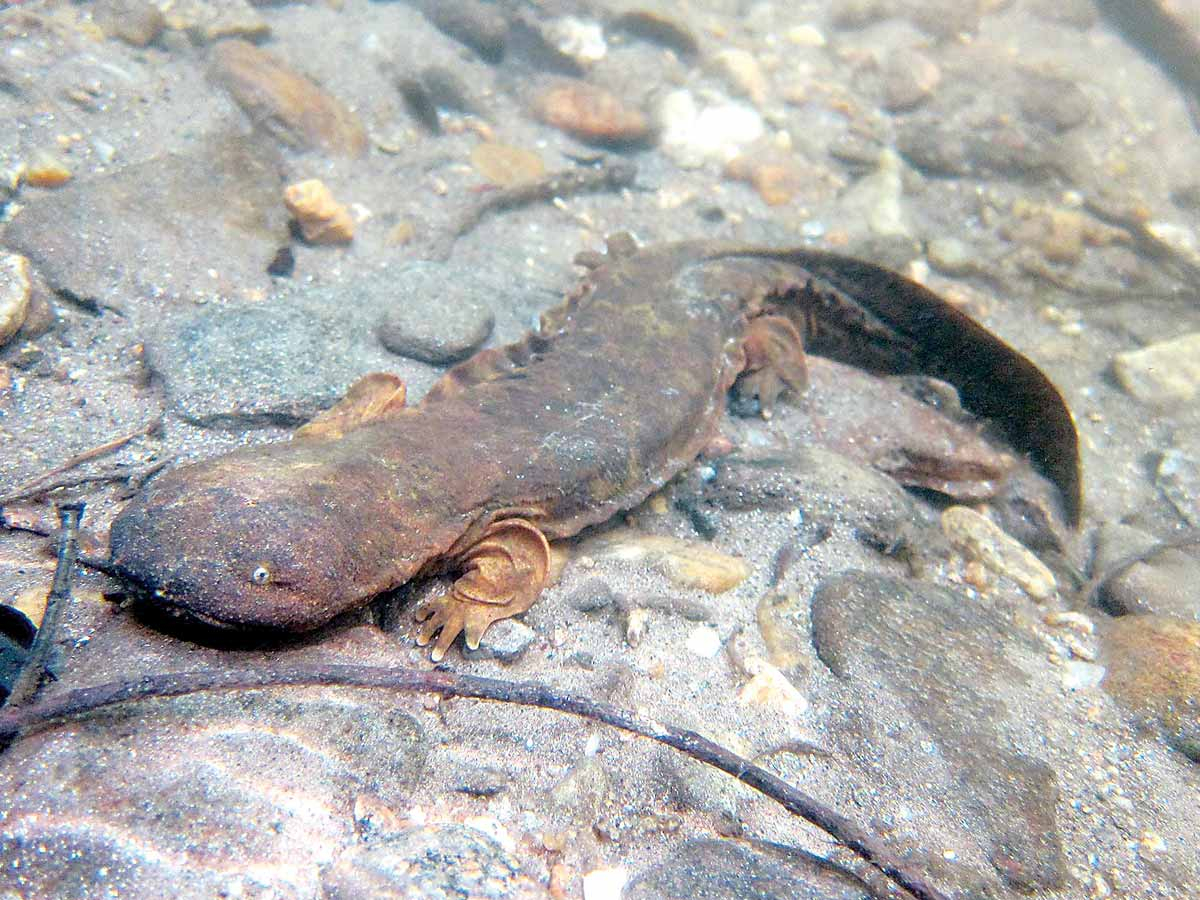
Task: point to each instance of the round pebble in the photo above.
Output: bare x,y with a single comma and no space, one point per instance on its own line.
15,289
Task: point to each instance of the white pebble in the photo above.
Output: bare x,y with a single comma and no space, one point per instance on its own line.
704,641
605,884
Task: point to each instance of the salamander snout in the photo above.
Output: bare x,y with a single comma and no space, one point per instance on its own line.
227,554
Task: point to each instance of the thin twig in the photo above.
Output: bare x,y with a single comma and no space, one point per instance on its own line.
37,485
451,684
41,653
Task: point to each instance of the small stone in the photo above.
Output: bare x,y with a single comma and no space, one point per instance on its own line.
136,22
687,564
506,166
978,537
284,102
208,21
909,79
637,623
579,39
15,290
459,328
951,256
605,884
46,171
771,688
505,641
717,133
878,199
1055,103
591,113
805,36
322,219
593,595
1163,584
1080,675
777,182
741,71
1163,374
1153,667
704,641
1178,477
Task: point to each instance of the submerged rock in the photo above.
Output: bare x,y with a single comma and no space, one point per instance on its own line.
949,663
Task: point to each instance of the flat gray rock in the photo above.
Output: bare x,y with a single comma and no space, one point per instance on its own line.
948,661
434,318
198,224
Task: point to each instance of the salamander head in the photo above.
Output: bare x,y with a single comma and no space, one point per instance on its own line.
233,544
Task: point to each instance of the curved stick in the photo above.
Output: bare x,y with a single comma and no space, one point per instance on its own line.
74,703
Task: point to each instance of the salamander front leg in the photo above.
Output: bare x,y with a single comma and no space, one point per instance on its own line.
503,573
774,361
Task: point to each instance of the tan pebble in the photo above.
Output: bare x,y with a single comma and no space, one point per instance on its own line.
322,219
1076,621
505,166
401,233
560,877
1151,842
206,22
784,647
16,288
806,36
1166,373
976,575
591,113
46,171
555,841
979,538
658,505
284,102
32,602
771,688
743,73
637,621
686,564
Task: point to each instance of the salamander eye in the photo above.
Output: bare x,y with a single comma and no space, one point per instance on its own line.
261,575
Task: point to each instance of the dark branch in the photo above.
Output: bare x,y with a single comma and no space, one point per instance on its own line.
74,703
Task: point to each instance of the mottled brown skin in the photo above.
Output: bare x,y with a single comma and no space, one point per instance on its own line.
619,390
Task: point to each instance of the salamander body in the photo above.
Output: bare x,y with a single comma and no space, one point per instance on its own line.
619,389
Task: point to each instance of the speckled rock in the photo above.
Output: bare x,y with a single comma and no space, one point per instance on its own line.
1154,671
1166,373
950,663
15,290
160,798
1178,477
426,322
435,862
279,362
725,870
198,224
1165,584
285,103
